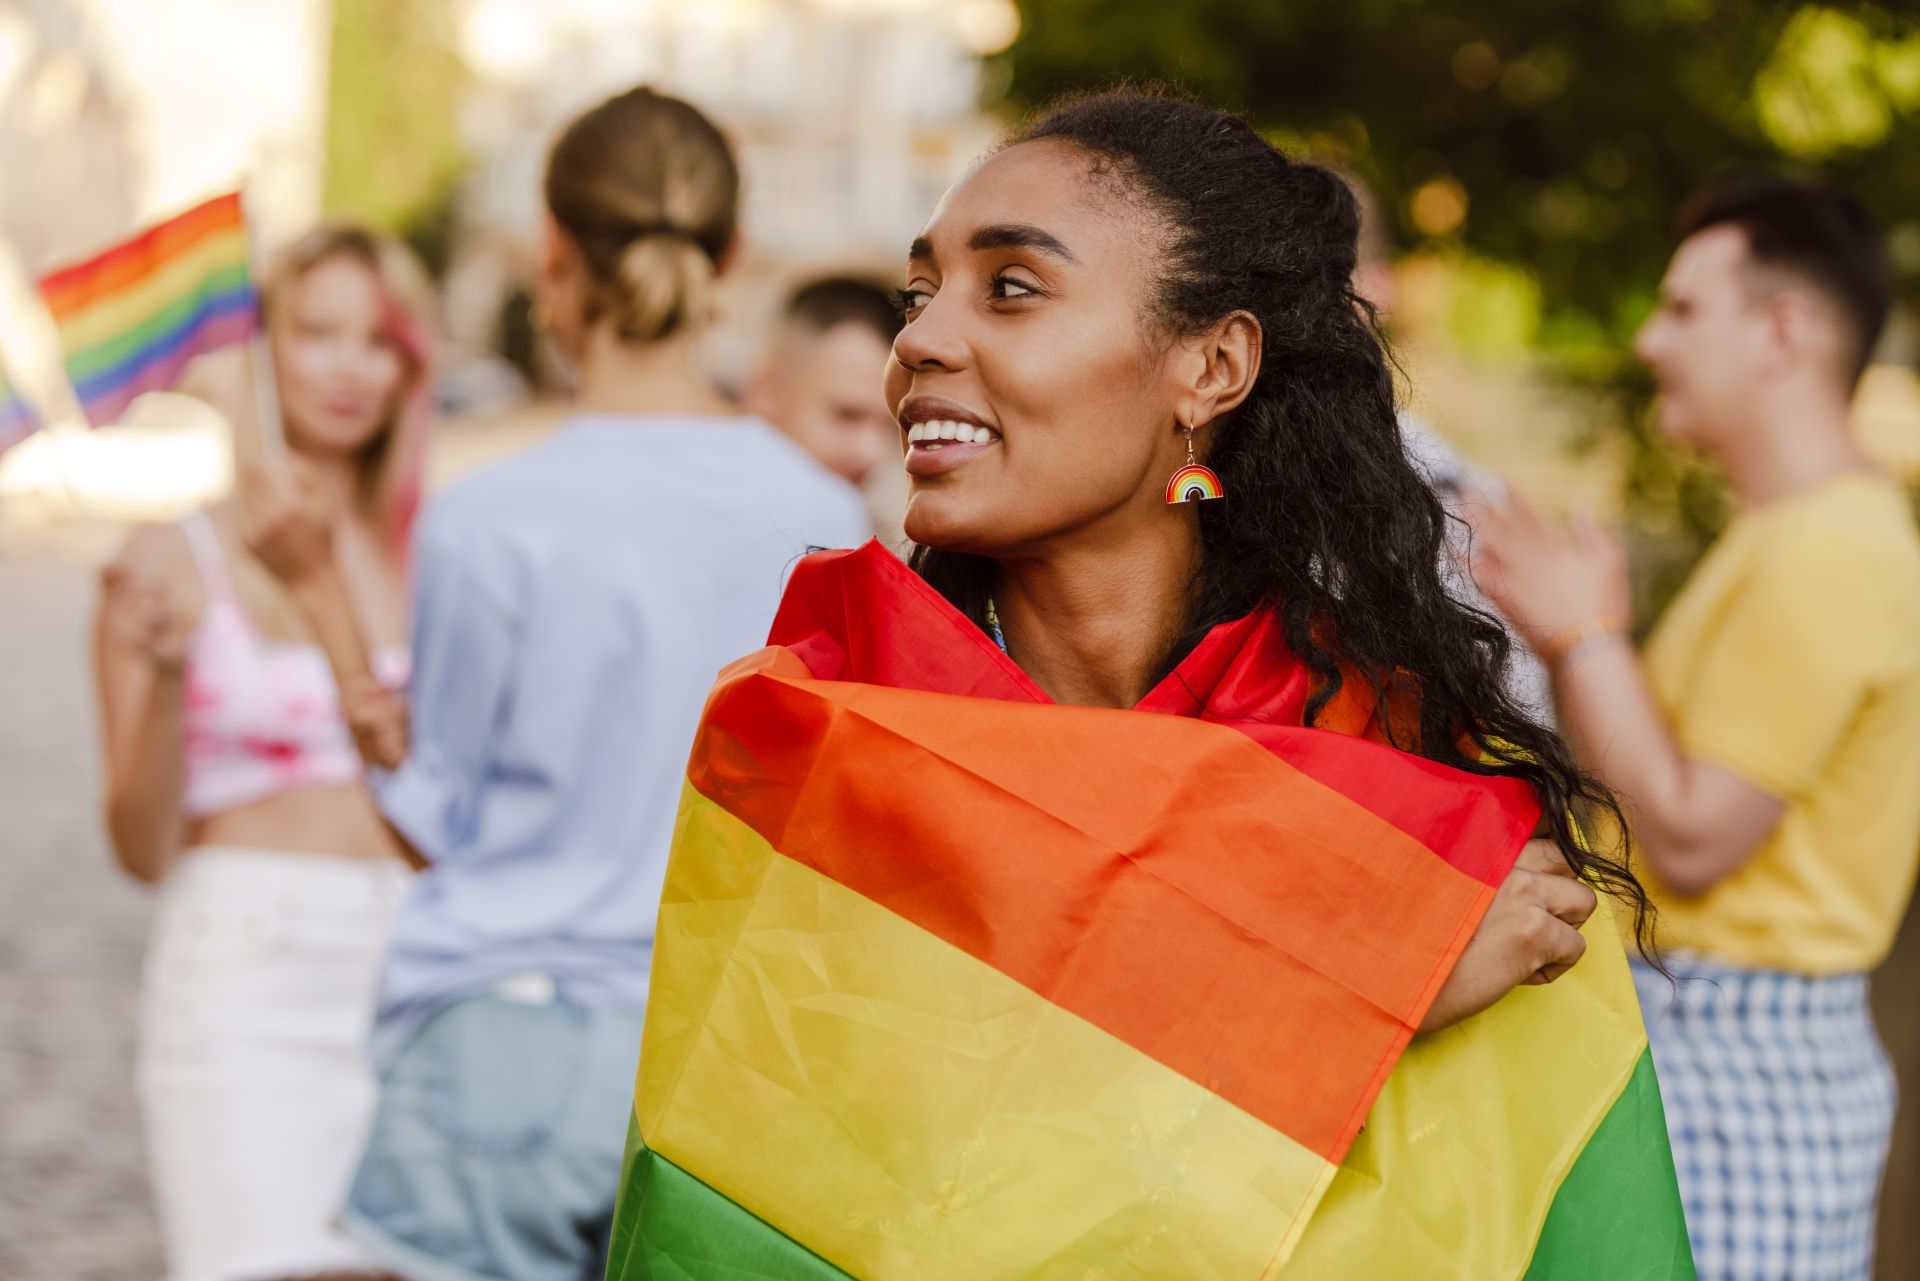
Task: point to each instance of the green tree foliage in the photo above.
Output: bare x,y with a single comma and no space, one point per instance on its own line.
1557,135
1572,128
394,88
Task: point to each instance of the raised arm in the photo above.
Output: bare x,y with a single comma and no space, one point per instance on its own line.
140,639
1695,821
287,531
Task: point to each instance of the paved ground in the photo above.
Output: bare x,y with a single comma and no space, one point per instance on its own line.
73,1191
74,1204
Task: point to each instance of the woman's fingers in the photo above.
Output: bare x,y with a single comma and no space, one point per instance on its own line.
379,724
1562,948
1552,884
1567,900
141,615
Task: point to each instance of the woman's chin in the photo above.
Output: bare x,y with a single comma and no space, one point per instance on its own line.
346,442
935,519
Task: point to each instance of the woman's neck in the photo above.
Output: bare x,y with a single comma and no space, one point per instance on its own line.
333,478
1091,622
664,377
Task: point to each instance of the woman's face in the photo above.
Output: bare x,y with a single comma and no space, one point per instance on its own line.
1027,295
339,365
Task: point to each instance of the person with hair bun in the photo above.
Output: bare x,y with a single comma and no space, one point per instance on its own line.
573,604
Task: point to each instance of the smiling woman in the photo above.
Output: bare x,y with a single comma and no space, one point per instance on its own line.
1068,904
1132,275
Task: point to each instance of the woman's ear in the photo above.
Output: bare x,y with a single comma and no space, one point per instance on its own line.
559,288
558,254
730,255
1219,368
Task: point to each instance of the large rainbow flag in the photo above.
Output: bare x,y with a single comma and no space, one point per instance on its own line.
131,318
955,984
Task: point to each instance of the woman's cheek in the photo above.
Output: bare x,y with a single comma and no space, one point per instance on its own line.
299,370
389,376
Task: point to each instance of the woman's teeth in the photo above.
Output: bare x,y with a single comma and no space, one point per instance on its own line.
933,434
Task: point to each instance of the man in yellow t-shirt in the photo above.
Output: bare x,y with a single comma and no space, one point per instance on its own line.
1767,745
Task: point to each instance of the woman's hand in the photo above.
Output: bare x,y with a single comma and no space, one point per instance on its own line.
1545,579
138,611
284,524
1530,935
378,718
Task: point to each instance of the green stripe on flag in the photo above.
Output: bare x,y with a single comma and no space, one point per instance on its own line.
157,324
1617,1213
669,1226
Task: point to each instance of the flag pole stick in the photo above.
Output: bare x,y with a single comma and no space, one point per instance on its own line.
266,390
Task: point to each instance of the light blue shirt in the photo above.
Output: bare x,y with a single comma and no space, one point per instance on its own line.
572,606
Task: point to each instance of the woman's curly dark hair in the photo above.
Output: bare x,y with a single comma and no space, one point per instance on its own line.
1326,519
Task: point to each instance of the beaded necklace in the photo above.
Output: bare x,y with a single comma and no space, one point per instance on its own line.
993,626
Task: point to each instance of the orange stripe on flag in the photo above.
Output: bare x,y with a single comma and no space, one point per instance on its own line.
125,265
1271,939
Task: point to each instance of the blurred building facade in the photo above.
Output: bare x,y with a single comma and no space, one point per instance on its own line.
851,117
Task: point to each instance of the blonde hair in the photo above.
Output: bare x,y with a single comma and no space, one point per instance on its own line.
647,188
391,465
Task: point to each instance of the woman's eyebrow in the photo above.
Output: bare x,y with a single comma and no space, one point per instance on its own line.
1019,235
1004,235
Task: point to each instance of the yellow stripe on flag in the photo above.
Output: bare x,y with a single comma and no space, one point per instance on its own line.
906,1111
121,311
1476,1129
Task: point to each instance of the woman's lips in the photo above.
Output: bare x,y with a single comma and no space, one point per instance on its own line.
940,445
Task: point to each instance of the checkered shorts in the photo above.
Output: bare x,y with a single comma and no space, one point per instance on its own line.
1780,1105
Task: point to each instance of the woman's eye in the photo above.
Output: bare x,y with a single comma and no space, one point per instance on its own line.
907,301
1009,288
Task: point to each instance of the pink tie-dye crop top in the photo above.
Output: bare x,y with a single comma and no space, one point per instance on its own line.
262,717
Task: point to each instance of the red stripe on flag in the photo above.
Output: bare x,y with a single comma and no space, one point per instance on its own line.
862,615
72,288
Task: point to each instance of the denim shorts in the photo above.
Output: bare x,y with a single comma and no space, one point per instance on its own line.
496,1147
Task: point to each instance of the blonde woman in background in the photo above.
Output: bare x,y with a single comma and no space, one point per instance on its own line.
232,783
573,605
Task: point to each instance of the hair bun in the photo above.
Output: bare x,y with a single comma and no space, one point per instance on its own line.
648,190
663,282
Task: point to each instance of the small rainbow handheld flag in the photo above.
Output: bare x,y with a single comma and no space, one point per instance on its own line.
17,421
952,983
131,318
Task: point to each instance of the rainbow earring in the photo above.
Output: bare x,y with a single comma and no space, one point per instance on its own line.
1195,482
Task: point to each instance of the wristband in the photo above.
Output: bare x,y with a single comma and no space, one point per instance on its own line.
1589,634
360,687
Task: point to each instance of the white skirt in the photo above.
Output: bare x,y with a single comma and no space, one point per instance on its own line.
261,978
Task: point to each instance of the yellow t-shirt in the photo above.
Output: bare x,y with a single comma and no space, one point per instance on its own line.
1792,658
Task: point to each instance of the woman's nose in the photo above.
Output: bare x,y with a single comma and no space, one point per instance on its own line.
932,339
